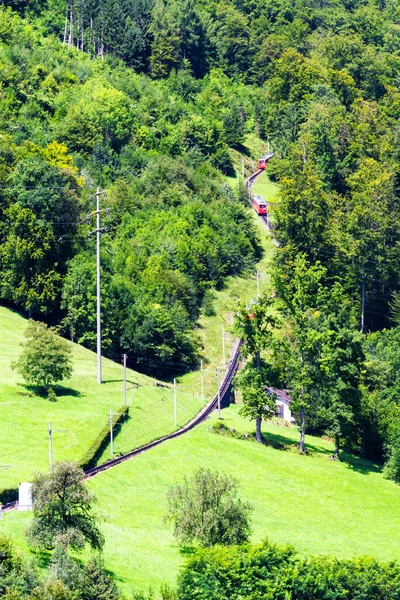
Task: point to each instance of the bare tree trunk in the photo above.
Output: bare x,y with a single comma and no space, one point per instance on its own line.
302,412
337,445
92,38
71,28
259,437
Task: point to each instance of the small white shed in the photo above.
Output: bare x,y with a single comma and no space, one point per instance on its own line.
25,496
283,401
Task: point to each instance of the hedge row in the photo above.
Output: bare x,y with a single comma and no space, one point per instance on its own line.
100,443
8,495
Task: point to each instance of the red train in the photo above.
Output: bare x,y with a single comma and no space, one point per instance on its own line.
263,161
259,205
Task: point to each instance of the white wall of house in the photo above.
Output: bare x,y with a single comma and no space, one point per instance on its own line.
284,411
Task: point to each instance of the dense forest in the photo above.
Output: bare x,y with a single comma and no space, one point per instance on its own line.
146,99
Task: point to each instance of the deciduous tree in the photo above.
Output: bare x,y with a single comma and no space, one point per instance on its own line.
62,510
46,358
205,509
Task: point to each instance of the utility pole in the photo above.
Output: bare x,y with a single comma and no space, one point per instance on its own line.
98,230
51,447
219,392
268,142
258,283
124,379
202,380
51,432
243,168
223,346
175,419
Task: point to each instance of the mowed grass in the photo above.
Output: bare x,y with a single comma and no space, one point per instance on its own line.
80,413
320,507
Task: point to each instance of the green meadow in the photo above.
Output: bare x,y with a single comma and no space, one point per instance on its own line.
320,507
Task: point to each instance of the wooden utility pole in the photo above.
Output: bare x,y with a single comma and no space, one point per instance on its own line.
219,392
202,380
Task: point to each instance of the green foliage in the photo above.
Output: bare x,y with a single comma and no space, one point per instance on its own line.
62,513
205,509
256,325
45,358
254,571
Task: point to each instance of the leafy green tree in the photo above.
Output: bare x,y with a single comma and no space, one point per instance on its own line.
255,325
88,582
192,37
258,404
299,293
206,509
29,275
62,511
46,358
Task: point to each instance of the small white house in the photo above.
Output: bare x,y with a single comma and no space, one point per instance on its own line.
25,496
283,401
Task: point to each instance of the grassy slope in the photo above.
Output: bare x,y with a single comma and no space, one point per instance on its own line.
82,408
308,501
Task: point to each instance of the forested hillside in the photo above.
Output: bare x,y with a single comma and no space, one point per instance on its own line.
175,229
146,99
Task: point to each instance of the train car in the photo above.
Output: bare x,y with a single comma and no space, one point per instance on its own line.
263,161
259,205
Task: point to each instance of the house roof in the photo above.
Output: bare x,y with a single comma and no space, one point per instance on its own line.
282,394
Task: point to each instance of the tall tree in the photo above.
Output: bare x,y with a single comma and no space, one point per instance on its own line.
255,326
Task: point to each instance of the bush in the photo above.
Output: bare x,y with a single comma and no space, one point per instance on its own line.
95,450
276,572
205,509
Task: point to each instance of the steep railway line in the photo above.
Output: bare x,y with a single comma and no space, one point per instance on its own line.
199,418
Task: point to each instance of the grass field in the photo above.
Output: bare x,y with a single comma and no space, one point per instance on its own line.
81,411
321,507
83,406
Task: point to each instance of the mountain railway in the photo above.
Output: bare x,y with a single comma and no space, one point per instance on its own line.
199,418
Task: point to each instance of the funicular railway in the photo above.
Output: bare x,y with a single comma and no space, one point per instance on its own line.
225,389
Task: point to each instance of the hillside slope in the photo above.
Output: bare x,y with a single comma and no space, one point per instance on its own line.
342,509
80,413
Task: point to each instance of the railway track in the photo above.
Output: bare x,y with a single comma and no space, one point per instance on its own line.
263,218
199,418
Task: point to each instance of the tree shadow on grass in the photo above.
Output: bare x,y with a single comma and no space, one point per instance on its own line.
60,390
360,465
281,442
243,149
42,557
114,576
128,381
